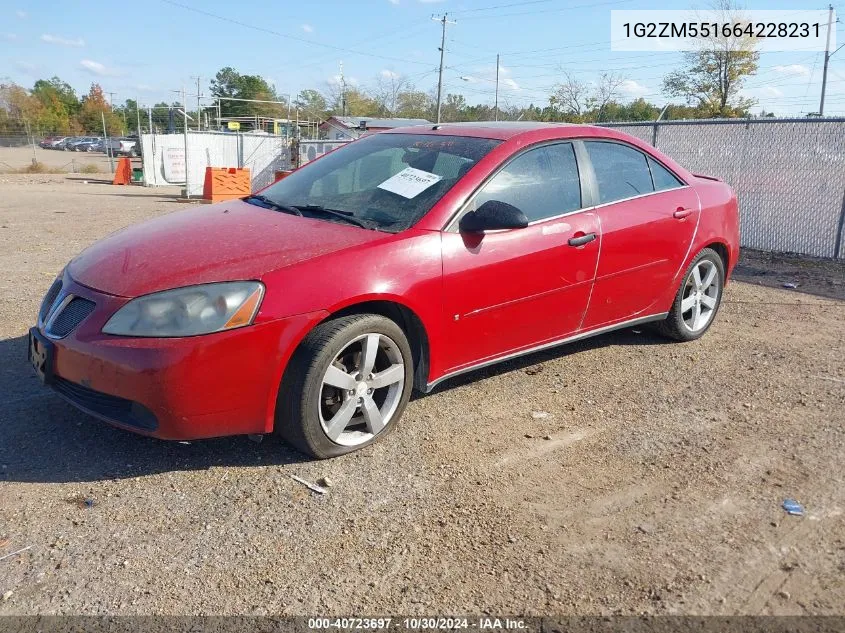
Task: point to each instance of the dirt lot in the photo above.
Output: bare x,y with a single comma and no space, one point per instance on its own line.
15,158
653,485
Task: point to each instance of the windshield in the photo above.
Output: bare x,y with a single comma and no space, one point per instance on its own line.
386,181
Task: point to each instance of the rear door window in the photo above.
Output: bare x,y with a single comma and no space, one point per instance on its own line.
621,171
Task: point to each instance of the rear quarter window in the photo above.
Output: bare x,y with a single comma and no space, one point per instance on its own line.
662,177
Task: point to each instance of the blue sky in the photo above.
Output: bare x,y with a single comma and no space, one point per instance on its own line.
149,50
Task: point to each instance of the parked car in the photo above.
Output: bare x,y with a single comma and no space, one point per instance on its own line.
400,260
57,142
65,145
121,147
82,143
89,145
46,142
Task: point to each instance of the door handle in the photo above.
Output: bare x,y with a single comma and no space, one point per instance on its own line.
681,213
582,239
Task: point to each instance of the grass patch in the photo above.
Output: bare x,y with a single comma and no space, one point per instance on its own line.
90,168
40,168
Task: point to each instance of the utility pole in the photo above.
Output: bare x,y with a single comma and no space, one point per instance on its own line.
827,56
496,103
199,125
443,21
342,91
138,116
185,111
107,146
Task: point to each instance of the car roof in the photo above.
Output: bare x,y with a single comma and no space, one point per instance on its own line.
501,130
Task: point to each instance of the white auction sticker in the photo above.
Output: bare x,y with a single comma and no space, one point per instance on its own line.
410,182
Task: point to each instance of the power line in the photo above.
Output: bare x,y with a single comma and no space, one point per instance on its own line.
289,37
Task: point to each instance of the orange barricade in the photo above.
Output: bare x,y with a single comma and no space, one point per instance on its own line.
123,173
225,183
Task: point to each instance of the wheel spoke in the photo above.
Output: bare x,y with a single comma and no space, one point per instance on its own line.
369,349
696,277
709,277
337,424
709,301
392,374
372,415
696,316
338,378
687,304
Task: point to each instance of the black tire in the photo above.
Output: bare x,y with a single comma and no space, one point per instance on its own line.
297,418
674,326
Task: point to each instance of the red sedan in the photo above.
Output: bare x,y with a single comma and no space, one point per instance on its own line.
313,308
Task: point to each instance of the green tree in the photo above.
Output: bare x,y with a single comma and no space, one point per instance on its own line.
414,104
452,108
358,103
713,76
311,103
230,83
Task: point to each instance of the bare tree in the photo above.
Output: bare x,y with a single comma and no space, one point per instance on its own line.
606,91
586,101
389,86
570,96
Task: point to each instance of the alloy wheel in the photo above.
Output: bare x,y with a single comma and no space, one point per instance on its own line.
701,295
361,389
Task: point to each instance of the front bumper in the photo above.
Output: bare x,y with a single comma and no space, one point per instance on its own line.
178,388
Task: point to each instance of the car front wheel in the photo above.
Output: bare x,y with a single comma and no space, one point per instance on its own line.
346,386
698,298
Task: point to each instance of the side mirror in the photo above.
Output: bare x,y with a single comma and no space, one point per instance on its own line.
493,215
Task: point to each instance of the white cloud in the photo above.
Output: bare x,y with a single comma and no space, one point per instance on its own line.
769,91
96,68
632,88
62,41
21,14
144,88
389,74
307,28
792,69
393,1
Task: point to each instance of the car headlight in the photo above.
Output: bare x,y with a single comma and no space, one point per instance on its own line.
189,311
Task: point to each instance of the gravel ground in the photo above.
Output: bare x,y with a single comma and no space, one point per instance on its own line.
620,475
15,158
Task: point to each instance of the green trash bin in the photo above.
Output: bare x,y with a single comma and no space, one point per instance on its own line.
137,175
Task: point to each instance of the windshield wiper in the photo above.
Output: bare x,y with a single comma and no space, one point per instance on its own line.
273,204
336,213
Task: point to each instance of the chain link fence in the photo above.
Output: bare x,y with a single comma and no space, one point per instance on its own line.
788,174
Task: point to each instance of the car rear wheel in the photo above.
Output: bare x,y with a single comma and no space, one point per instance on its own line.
346,386
698,298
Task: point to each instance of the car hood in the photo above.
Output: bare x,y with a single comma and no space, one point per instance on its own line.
222,242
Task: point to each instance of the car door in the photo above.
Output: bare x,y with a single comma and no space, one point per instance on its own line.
510,290
648,219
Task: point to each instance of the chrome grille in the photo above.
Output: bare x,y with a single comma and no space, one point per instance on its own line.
49,299
68,315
